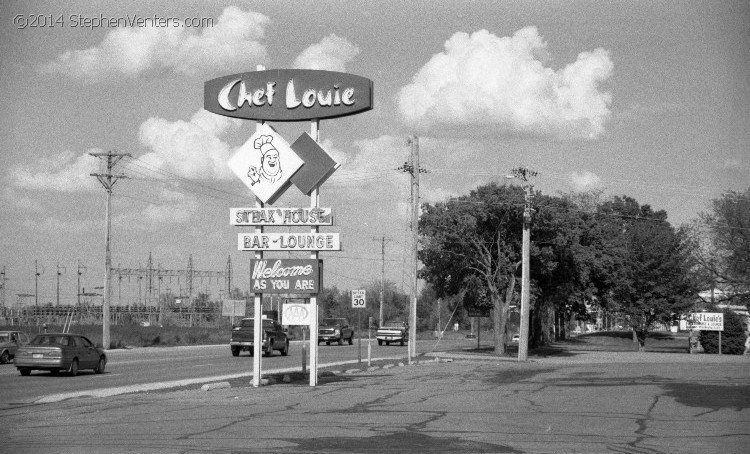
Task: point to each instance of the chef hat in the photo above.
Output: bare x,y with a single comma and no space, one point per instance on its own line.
263,143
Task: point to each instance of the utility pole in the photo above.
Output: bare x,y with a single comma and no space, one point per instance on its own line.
108,180
57,302
412,167
382,240
2,287
78,293
36,283
524,174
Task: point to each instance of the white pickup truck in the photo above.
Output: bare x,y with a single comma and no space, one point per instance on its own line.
393,332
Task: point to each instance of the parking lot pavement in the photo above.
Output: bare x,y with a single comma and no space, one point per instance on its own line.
583,402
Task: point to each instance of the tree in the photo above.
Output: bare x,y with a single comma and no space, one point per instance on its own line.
649,278
723,246
473,243
564,255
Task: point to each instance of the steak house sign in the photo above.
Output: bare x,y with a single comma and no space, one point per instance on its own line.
288,95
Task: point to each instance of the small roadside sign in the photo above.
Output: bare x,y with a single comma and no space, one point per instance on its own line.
706,321
359,300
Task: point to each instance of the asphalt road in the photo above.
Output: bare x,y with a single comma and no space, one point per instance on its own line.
159,368
569,402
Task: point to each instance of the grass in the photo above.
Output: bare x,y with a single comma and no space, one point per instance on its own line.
131,335
622,341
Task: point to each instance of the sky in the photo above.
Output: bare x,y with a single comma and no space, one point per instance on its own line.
649,99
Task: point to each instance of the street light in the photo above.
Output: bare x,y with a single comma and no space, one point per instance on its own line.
524,174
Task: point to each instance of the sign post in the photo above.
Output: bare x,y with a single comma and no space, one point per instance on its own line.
707,321
369,342
359,301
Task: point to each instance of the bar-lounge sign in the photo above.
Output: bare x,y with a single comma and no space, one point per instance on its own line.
288,95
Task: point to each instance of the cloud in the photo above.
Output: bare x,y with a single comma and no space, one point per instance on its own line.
231,44
502,84
371,171
63,172
584,181
332,53
189,149
176,209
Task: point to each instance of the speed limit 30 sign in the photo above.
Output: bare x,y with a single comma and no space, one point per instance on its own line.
358,299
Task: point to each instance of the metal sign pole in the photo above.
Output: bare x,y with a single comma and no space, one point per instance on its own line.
258,300
369,341
314,203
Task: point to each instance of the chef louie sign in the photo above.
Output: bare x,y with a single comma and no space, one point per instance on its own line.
288,95
285,276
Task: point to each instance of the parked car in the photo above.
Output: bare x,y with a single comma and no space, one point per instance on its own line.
274,337
335,330
9,343
57,352
393,332
515,338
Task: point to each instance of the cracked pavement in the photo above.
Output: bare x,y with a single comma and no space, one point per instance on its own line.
590,402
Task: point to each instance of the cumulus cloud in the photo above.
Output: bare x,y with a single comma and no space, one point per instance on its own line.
63,172
503,84
371,169
189,149
376,155
176,208
332,53
231,44
584,181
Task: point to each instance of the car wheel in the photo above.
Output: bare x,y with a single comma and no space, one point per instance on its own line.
235,351
387,343
285,350
341,340
73,370
328,343
25,372
269,350
380,342
402,342
5,357
101,365
351,339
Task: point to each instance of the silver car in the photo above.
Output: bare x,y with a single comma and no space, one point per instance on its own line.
57,352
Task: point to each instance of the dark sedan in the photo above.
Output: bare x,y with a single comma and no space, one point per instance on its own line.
60,352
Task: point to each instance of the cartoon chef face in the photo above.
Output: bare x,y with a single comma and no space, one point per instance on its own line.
270,162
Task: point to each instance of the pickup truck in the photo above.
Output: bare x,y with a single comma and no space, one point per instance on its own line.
393,332
335,330
274,337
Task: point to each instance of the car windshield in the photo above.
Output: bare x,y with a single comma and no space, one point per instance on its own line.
50,340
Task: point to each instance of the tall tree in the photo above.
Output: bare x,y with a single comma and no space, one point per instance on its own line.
473,243
723,246
563,257
649,279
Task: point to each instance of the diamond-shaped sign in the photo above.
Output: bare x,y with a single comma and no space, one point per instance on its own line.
318,164
265,163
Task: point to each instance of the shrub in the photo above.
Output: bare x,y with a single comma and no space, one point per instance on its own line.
732,338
